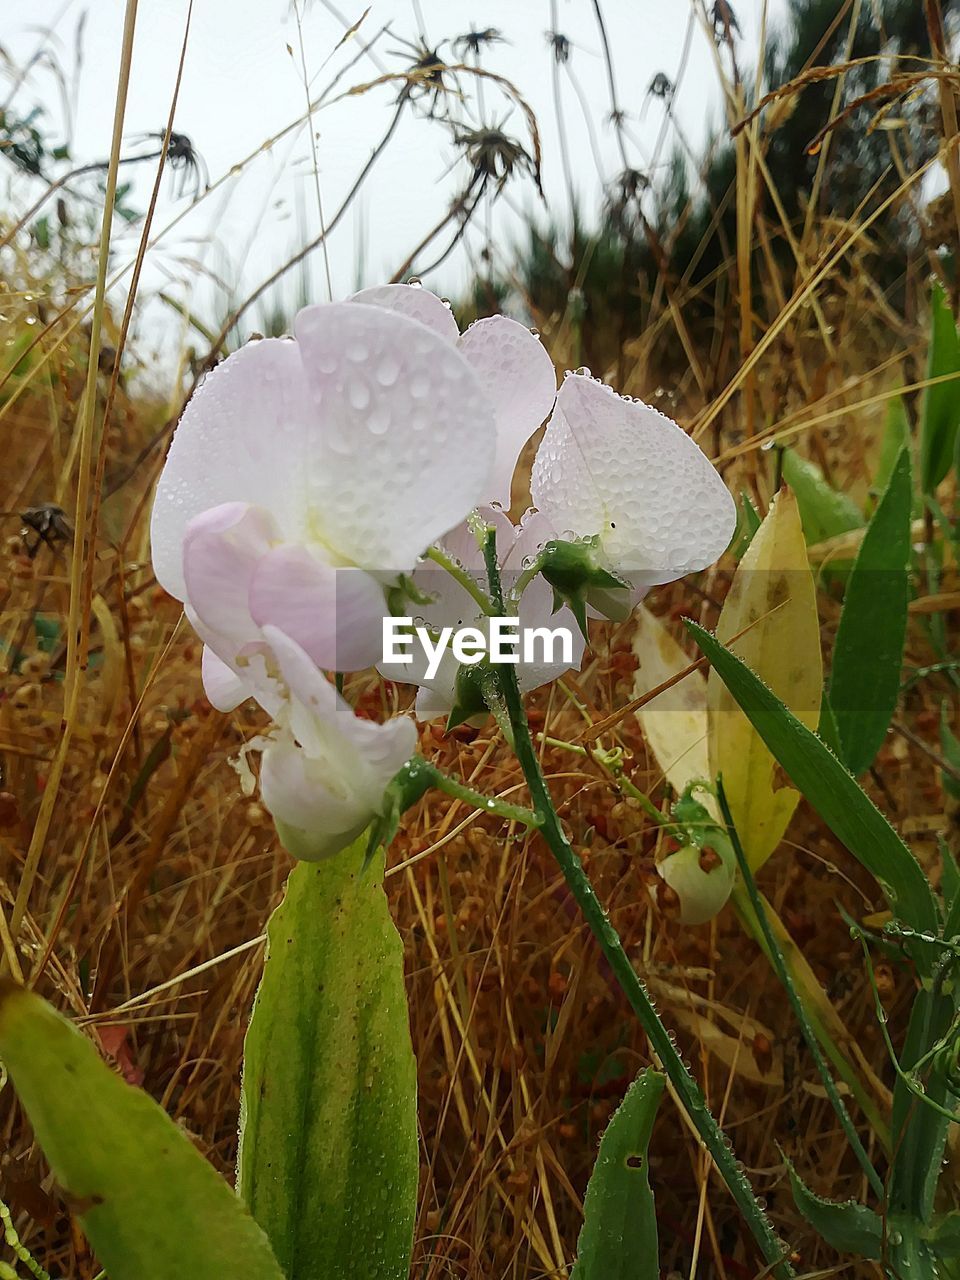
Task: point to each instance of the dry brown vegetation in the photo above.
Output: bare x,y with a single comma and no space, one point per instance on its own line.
135,879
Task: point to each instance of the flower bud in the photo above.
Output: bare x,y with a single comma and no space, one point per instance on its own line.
702,870
578,578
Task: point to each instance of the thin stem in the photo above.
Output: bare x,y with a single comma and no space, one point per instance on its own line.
613,764
796,1004
486,804
456,571
526,577
686,1088
909,1079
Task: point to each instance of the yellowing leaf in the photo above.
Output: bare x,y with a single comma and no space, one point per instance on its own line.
773,602
674,723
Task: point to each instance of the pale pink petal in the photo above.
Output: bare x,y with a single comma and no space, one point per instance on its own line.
249,664
520,379
225,690
332,724
325,772
616,468
432,704
333,614
403,437
221,550
242,438
413,301
295,788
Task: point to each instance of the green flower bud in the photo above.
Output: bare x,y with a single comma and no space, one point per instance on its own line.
578,577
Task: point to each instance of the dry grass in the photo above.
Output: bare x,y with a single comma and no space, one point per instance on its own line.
155,877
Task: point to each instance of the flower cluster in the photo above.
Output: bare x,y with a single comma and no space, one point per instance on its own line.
318,484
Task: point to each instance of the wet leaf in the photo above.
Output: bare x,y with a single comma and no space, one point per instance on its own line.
773,603
824,511
151,1205
618,1240
328,1157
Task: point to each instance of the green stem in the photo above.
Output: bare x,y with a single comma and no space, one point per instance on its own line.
526,577
460,574
612,762
686,1088
796,1004
486,804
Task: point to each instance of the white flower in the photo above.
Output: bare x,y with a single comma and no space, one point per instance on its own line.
323,769
617,470
514,369
307,473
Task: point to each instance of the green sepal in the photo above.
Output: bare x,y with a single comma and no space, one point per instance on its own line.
408,785
578,578
404,590
470,703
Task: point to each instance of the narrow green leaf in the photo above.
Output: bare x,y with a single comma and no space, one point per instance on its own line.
849,813
941,402
824,512
618,1240
748,522
151,1205
848,1227
868,655
328,1152
896,436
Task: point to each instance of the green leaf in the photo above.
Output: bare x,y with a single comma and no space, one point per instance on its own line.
868,655
848,1227
827,729
151,1205
823,511
748,522
941,402
618,1240
896,436
849,813
328,1157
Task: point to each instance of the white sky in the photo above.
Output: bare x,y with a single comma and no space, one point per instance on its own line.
241,86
